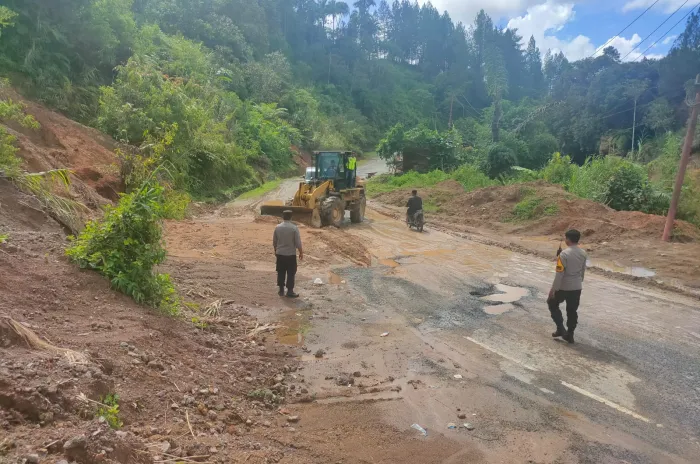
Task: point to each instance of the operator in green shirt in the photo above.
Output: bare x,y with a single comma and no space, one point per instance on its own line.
351,170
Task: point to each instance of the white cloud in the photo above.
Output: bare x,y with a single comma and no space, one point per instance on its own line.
544,20
669,39
669,6
466,10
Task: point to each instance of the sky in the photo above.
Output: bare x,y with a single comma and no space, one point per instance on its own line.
579,27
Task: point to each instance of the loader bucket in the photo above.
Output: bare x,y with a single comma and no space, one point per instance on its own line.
303,214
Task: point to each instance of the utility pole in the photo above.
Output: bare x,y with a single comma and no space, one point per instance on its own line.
634,125
685,158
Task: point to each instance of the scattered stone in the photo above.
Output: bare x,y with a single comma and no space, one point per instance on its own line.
31,459
164,446
120,434
319,353
461,416
155,364
75,443
213,450
396,388
357,374
292,429
174,406
468,426
458,376
451,425
249,422
124,345
344,380
212,414
293,419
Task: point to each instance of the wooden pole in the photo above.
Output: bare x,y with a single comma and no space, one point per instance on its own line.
685,158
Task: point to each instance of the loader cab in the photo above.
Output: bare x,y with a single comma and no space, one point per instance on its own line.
330,165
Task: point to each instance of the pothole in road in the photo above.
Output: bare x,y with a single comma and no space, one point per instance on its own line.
498,309
505,298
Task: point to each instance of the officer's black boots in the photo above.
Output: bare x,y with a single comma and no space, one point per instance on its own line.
569,336
561,332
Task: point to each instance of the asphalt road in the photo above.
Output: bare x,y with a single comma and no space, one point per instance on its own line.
634,370
628,391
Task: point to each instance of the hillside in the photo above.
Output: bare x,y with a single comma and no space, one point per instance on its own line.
533,217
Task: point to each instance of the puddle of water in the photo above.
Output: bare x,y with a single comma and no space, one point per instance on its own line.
295,323
613,266
388,262
498,309
508,294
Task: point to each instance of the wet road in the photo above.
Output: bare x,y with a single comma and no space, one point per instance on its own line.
635,367
469,330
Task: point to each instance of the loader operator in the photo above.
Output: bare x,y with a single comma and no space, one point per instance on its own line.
352,165
286,241
571,267
415,203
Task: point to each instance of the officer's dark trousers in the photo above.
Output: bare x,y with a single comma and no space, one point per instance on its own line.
286,267
572,298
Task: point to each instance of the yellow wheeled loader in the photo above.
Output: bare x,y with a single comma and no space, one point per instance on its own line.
323,200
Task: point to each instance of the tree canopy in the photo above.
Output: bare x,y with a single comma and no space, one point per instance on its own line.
237,84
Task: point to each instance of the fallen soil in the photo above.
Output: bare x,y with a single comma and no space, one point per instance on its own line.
626,243
337,376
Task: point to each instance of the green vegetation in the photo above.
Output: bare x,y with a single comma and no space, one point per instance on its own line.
4,238
262,190
109,410
527,208
240,81
126,245
224,92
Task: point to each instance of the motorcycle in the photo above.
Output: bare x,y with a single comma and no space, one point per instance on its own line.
416,221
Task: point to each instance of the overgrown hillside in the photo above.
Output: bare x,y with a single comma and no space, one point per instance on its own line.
222,90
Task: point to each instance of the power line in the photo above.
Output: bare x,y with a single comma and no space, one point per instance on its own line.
667,32
623,30
652,32
676,93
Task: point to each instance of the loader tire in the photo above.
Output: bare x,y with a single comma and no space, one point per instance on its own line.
333,211
357,213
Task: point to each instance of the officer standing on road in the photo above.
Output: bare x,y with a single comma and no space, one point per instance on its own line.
567,286
286,241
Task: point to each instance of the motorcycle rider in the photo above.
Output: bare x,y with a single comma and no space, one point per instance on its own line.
415,203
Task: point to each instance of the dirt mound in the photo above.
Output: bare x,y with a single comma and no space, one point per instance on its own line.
61,143
555,211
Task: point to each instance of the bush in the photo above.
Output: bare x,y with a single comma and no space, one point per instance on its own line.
500,160
471,177
629,190
125,246
559,170
540,151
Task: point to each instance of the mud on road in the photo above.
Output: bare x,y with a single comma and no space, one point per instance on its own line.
406,328
442,331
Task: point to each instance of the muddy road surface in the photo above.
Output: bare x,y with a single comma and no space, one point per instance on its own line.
454,336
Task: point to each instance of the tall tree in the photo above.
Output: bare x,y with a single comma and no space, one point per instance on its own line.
533,64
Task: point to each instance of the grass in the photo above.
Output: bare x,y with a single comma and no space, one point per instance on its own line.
4,238
470,177
527,208
260,191
530,207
